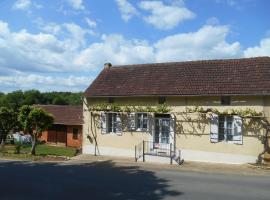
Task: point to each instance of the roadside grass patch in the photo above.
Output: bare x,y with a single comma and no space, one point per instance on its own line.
42,151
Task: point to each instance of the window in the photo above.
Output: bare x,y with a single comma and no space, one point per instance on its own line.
110,100
138,121
226,100
142,121
226,128
75,132
161,100
111,123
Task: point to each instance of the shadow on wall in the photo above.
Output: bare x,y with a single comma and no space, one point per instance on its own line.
97,180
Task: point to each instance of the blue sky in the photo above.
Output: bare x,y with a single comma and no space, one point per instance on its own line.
61,45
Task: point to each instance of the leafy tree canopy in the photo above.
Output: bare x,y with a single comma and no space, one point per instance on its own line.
16,99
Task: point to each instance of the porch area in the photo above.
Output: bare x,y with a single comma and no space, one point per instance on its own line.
158,152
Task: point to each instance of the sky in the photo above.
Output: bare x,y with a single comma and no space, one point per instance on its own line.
62,45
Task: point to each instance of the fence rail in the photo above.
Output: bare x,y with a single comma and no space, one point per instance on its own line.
154,149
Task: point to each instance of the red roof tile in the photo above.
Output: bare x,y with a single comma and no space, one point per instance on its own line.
246,76
65,114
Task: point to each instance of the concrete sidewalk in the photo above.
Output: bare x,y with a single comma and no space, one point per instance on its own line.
247,169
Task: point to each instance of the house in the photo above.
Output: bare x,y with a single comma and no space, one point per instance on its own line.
224,85
67,127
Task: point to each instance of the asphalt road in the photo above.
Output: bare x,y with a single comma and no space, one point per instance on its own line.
105,180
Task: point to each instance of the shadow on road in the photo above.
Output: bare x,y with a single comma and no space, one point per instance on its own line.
97,180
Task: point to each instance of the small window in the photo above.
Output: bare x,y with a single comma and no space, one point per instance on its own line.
161,100
142,121
225,128
226,100
111,122
75,133
111,100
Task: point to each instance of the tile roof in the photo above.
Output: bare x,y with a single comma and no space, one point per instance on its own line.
246,76
65,114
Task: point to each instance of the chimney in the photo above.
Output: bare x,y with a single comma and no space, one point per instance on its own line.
107,65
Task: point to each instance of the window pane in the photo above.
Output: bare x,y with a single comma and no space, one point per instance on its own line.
75,133
110,122
229,128
145,121
225,100
139,125
221,130
114,122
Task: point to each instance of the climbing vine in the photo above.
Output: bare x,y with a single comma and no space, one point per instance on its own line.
113,107
248,112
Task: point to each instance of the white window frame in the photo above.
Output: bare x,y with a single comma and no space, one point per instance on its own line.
113,120
142,117
236,129
115,129
225,127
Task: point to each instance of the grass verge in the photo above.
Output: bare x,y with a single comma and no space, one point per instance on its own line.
42,150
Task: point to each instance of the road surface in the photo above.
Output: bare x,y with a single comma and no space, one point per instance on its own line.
106,180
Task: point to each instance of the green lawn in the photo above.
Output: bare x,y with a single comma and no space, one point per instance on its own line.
41,150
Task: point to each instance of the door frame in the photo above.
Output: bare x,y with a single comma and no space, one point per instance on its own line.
172,129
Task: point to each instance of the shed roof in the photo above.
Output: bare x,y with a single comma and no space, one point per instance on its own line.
65,114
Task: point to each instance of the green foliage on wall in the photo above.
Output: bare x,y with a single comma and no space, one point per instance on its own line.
114,107
247,112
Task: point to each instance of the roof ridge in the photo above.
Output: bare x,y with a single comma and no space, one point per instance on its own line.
188,62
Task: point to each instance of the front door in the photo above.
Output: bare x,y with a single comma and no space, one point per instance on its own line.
162,131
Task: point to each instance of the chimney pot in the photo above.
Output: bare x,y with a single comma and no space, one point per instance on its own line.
107,65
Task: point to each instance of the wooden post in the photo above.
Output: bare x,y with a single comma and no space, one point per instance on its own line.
171,152
143,151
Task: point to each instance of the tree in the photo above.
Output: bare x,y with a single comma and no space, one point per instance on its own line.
32,97
14,100
59,100
7,123
34,121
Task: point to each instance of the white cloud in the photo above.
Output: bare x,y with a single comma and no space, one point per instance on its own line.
22,4
262,50
76,4
91,23
207,43
165,17
24,51
127,9
25,5
212,21
116,49
44,83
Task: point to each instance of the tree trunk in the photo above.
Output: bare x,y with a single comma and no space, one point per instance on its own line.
34,144
3,141
265,149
